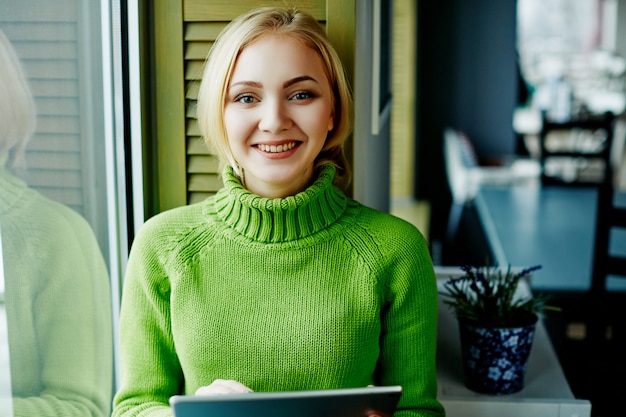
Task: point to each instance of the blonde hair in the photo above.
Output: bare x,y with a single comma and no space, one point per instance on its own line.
220,64
17,107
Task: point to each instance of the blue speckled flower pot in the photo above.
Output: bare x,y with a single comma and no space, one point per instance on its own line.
494,359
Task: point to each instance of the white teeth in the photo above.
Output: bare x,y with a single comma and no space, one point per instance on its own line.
276,149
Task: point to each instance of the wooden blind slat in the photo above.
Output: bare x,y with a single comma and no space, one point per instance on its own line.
196,146
197,50
197,197
204,182
194,70
202,31
199,164
47,11
20,32
191,110
51,69
192,128
54,88
42,178
47,49
193,87
70,197
53,142
227,10
57,106
68,125
58,161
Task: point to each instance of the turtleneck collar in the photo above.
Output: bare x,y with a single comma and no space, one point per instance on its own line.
273,220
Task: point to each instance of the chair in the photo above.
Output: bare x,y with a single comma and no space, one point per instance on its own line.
610,216
466,176
609,260
585,144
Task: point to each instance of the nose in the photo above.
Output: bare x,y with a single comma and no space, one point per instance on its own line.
274,116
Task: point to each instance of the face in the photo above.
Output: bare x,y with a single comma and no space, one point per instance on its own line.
278,112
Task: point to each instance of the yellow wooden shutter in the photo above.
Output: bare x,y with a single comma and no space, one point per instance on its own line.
184,32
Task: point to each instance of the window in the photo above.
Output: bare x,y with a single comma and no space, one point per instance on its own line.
63,208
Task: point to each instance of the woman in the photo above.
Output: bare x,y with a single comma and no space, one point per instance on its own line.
279,282
56,283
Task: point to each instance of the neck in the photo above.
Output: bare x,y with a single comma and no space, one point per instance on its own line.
279,189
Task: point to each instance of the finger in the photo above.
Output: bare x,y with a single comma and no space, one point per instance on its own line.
222,386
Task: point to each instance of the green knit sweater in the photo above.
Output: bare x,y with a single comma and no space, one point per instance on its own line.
58,307
313,291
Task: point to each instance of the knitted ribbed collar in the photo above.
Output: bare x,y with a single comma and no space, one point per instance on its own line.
12,188
273,220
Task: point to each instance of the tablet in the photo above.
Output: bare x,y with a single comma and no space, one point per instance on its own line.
343,402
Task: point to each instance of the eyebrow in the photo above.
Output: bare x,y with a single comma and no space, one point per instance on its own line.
247,83
286,84
296,80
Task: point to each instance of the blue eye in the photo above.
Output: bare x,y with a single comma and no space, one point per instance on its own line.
302,95
245,99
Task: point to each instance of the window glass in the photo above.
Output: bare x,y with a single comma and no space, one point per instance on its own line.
56,302
569,56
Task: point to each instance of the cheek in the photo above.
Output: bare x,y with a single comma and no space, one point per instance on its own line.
331,117
236,126
325,122
229,121
316,120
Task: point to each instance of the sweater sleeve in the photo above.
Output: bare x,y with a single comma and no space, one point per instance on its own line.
71,313
409,325
150,371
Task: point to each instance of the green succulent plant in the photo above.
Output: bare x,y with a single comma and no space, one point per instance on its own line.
488,296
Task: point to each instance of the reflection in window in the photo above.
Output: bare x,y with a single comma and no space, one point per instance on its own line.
54,219
6,400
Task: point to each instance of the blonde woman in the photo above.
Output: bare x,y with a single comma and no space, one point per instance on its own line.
279,282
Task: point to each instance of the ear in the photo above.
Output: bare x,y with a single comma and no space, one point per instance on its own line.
331,122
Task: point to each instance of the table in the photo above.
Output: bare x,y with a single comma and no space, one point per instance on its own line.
546,392
553,226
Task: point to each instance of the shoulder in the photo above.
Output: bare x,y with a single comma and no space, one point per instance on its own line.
386,227
395,249
164,234
172,219
171,223
47,235
48,219
385,241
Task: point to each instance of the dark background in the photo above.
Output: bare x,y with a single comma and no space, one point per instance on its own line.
467,78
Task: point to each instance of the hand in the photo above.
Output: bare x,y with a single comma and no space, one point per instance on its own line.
222,386
373,413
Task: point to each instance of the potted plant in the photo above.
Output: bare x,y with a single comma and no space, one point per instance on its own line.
497,322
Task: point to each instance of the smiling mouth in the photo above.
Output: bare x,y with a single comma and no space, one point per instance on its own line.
277,148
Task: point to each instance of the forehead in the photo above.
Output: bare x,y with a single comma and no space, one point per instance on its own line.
276,56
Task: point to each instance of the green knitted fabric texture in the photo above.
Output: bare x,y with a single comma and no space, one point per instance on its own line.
312,291
58,307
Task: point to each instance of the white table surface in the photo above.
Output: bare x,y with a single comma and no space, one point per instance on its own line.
546,392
